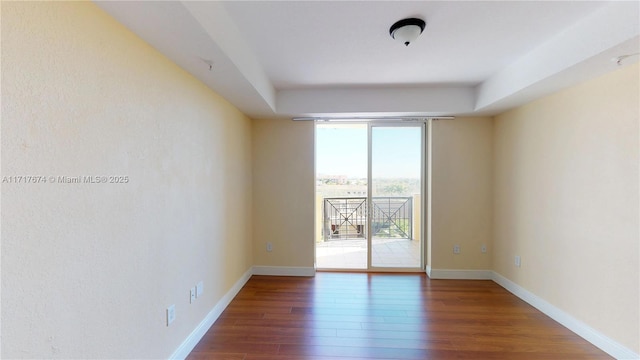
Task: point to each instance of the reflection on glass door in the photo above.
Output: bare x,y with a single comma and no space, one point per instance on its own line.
396,192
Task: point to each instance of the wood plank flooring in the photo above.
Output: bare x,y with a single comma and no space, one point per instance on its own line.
384,316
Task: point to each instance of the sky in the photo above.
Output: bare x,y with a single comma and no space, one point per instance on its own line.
342,150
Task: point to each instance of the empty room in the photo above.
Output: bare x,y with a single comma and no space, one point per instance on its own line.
320,180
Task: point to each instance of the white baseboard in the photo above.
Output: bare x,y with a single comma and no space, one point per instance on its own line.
459,274
196,335
593,336
284,271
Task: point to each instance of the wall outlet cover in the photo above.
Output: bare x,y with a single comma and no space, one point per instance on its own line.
171,314
192,295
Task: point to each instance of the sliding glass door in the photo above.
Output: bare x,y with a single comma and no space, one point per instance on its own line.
395,174
369,199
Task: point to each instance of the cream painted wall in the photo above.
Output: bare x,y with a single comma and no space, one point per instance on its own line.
566,201
89,269
283,192
461,193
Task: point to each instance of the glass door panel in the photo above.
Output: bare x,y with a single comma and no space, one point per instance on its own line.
341,196
396,196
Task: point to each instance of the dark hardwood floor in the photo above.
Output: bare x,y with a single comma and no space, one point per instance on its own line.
384,316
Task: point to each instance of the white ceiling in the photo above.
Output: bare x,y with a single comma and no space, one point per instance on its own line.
347,43
336,58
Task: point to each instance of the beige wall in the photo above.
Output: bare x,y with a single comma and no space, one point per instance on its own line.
283,192
566,201
461,193
89,269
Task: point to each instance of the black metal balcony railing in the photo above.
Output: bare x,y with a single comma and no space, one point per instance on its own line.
345,218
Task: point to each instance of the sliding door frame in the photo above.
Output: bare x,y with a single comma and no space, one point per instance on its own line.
423,125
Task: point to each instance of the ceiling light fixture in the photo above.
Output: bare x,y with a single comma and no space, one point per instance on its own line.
407,30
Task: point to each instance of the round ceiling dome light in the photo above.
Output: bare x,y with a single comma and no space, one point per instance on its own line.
407,30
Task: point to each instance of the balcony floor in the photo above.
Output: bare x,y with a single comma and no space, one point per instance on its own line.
352,253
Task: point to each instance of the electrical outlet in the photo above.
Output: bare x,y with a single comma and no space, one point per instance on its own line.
171,314
456,249
199,289
269,247
193,295
483,248
517,261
